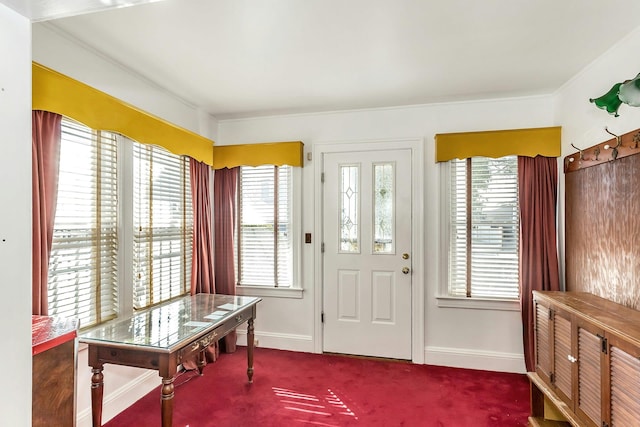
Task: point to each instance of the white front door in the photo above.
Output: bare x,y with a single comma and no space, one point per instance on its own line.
367,234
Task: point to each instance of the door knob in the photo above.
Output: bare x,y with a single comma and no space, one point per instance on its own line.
405,270
405,256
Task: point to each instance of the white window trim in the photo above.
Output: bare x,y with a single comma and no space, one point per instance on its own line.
443,299
263,291
125,225
295,290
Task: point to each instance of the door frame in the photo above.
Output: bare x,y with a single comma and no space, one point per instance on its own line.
416,145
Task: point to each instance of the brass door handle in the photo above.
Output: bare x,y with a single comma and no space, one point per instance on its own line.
406,270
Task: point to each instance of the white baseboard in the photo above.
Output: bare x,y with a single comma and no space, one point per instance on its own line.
122,398
475,359
302,343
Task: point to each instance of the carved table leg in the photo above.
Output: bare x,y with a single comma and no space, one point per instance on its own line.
166,398
97,389
250,342
201,362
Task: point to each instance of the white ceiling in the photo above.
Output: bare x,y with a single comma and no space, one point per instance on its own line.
237,58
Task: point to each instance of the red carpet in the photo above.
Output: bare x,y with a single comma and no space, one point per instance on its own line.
298,389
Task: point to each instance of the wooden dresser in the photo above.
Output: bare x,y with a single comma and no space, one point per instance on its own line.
54,350
587,362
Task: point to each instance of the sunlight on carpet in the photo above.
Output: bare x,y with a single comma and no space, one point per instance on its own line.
329,405
295,389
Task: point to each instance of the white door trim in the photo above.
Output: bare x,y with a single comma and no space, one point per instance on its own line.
416,145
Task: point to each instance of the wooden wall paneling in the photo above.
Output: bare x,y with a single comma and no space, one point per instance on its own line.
603,228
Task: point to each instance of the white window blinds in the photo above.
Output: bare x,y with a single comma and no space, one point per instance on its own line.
264,245
163,225
83,262
484,228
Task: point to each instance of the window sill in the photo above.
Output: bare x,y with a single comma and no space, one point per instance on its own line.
259,291
478,303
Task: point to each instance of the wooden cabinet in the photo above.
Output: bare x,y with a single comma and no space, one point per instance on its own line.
587,361
54,353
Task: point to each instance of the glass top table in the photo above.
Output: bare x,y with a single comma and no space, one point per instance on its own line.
169,325
163,336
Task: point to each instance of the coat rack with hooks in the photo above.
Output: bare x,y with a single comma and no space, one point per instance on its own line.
615,148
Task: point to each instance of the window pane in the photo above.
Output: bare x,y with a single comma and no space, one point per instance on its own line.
349,212
257,222
83,262
491,237
384,202
163,225
285,220
265,245
458,231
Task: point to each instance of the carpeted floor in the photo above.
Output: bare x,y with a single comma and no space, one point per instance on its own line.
302,389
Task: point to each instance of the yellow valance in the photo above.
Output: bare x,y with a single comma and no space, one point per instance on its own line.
499,143
60,94
268,153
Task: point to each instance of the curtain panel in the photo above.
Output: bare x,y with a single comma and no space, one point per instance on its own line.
45,160
225,196
538,189
202,273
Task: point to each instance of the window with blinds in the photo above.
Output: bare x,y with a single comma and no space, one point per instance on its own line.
123,226
264,247
484,228
163,225
83,262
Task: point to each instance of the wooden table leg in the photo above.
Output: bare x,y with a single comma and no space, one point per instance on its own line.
201,362
97,389
166,399
250,342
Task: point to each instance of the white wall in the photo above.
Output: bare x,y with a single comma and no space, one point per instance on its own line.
484,339
582,123
15,217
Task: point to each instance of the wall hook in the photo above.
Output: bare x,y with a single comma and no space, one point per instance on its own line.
614,153
581,153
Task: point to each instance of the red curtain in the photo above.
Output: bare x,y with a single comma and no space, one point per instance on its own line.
45,161
225,186
212,271
538,189
202,279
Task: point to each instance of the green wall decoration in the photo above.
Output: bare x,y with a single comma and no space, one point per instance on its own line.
627,92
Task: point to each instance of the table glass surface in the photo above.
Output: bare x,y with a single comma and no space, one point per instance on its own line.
168,325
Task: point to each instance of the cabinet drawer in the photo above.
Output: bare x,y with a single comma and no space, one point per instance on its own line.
589,374
544,368
562,357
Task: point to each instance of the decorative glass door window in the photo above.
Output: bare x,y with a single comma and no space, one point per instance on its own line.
383,211
349,208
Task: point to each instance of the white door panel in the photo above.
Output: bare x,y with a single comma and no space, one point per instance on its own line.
366,232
